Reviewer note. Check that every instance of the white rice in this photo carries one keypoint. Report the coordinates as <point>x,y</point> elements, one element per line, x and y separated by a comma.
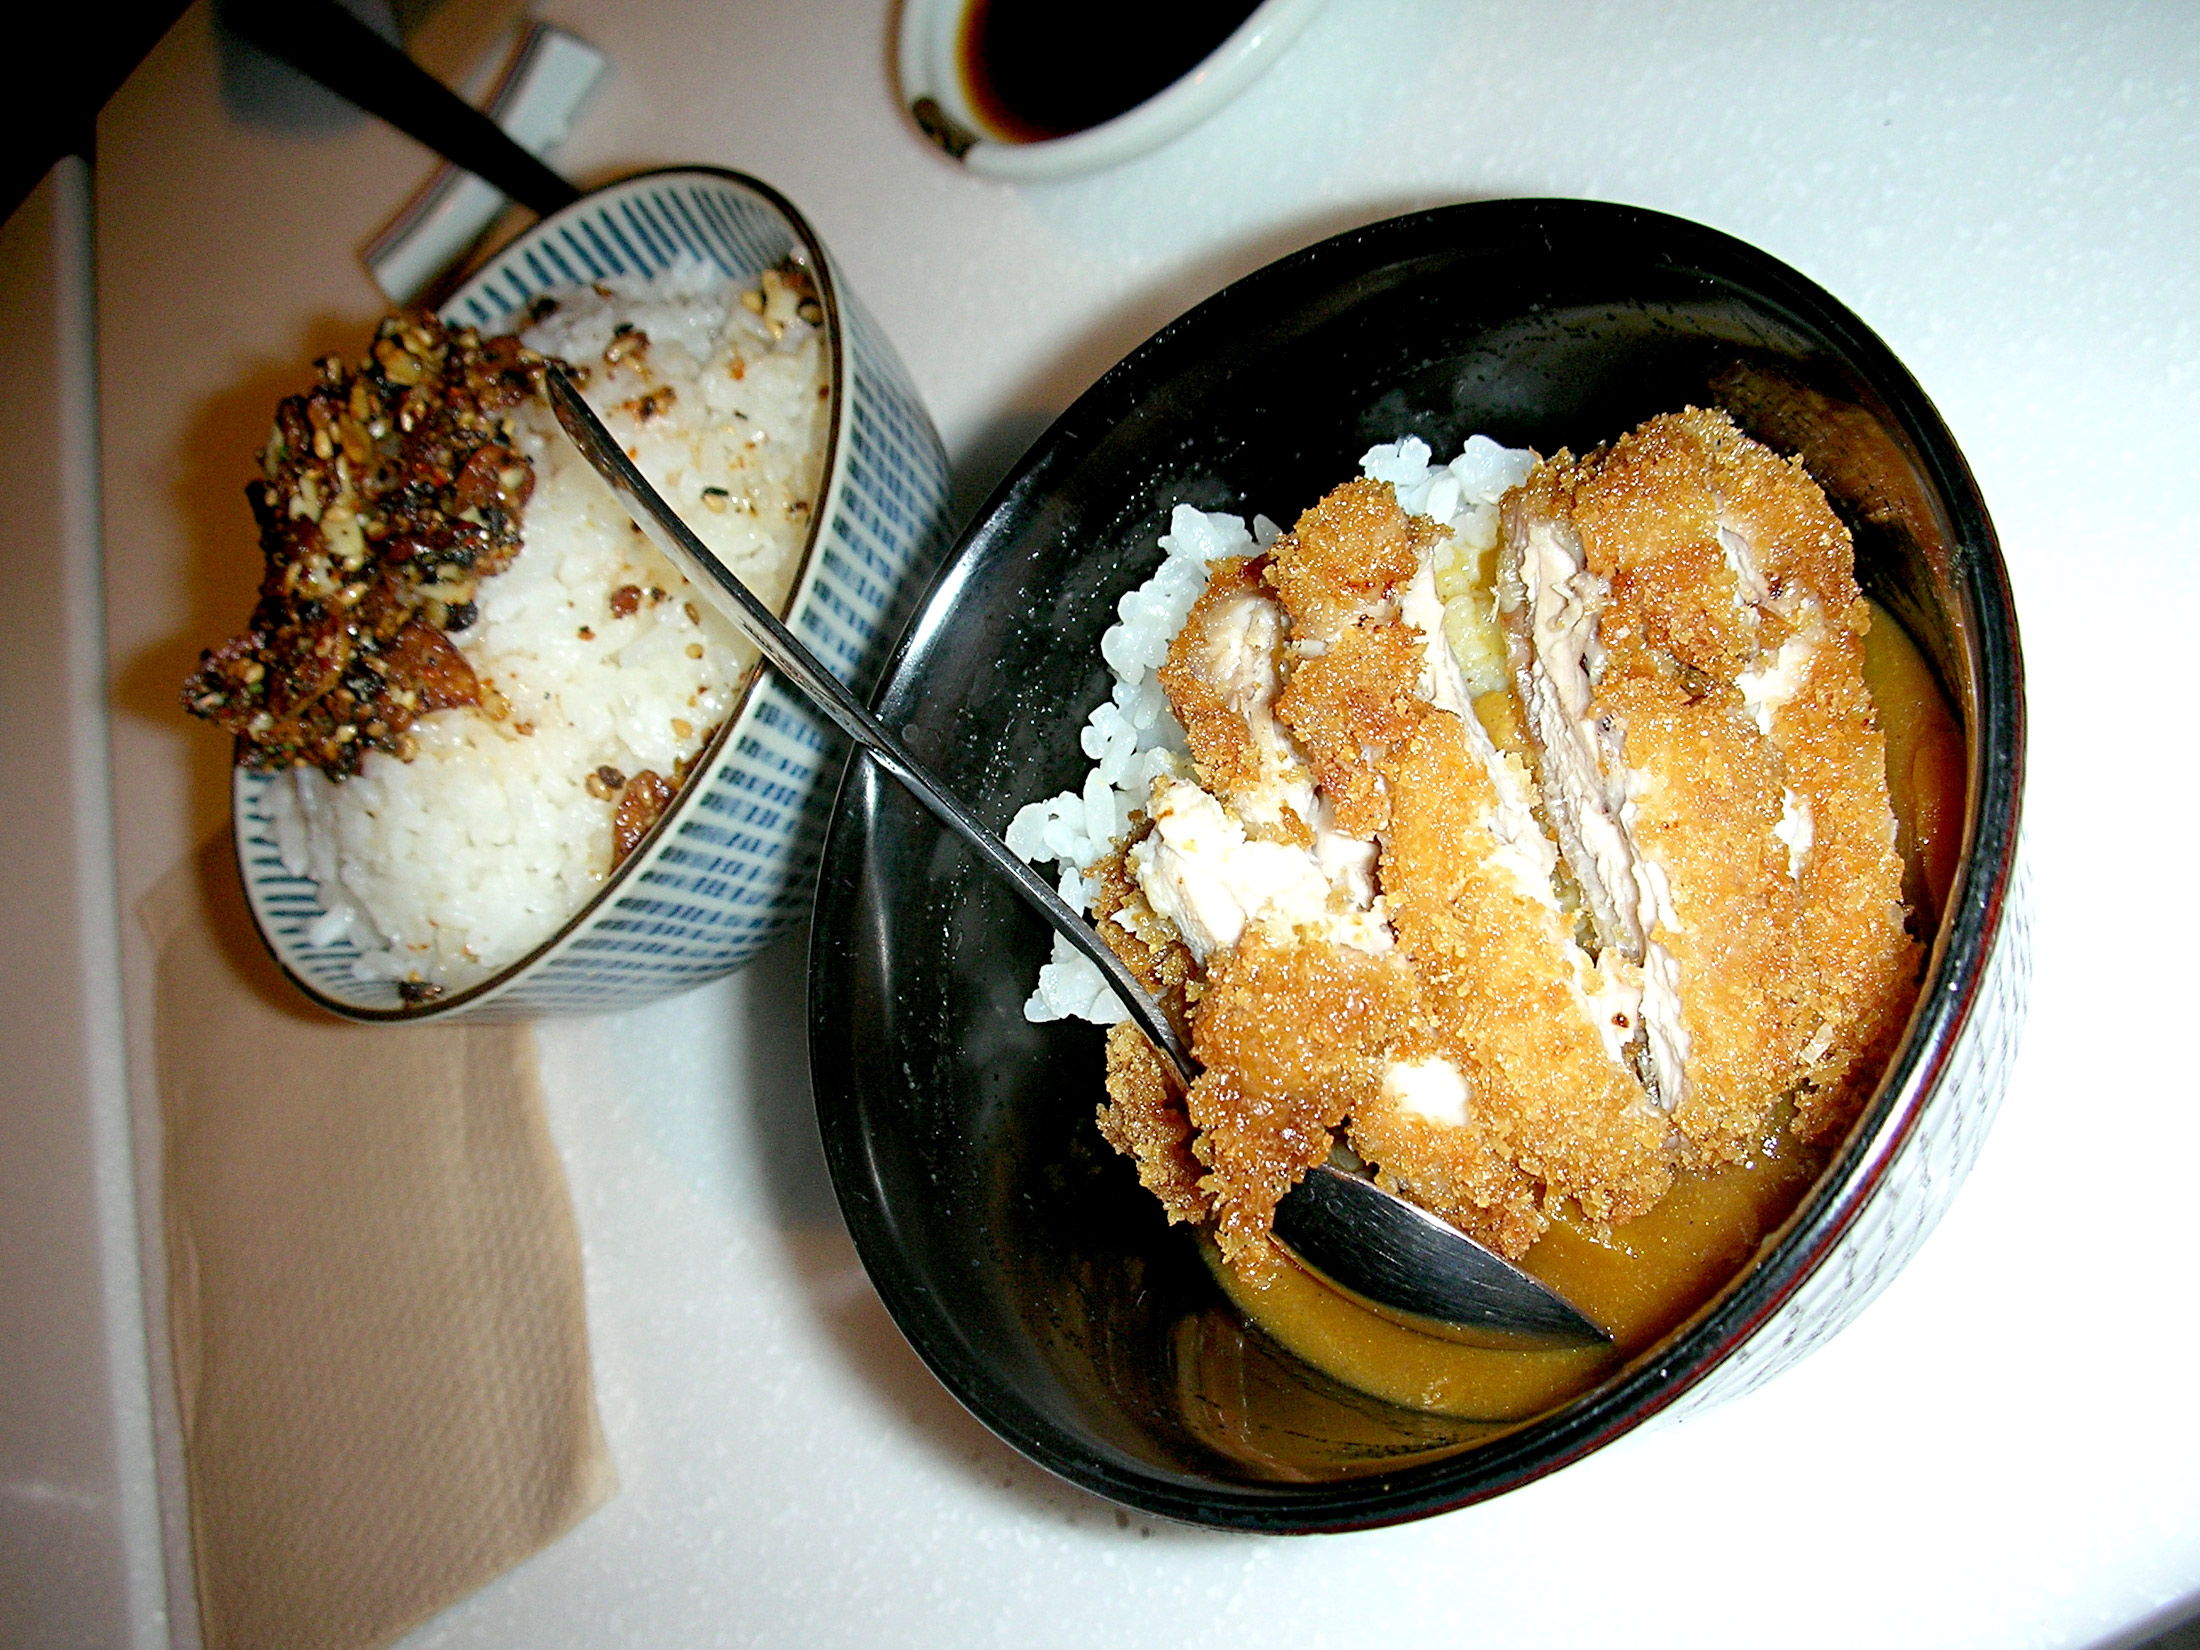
<point>1133,737</point>
<point>444,868</point>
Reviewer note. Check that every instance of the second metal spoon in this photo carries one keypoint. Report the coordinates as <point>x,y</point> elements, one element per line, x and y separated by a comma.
<point>1347,1230</point>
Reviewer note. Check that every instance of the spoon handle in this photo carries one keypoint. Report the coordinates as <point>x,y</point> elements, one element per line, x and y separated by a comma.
<point>1373,1245</point>
<point>326,43</point>
<point>799,666</point>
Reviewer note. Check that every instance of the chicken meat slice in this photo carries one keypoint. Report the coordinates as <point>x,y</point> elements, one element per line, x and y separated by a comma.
<point>1803,689</point>
<point>1682,619</point>
<point>1350,667</point>
<point>1251,840</point>
<point>1222,676</point>
<point>1509,1094</point>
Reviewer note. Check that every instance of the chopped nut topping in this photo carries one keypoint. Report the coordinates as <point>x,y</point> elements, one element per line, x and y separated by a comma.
<point>388,491</point>
<point>640,805</point>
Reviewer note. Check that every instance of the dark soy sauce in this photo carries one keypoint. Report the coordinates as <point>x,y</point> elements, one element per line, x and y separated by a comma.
<point>1038,69</point>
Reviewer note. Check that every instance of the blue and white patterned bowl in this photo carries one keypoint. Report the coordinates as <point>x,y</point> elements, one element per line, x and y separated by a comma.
<point>733,860</point>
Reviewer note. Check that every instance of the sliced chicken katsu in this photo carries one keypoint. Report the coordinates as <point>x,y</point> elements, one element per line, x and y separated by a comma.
<point>1538,941</point>
<point>1449,1026</point>
<point>1240,866</point>
<point>1684,628</point>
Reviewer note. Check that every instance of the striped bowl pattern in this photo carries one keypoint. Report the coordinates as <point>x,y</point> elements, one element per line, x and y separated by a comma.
<point>1919,1185</point>
<point>733,860</point>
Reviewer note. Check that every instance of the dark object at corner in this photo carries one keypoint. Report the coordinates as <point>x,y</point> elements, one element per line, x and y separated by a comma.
<point>82,56</point>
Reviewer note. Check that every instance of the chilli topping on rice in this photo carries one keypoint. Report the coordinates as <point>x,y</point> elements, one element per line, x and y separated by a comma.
<point>480,685</point>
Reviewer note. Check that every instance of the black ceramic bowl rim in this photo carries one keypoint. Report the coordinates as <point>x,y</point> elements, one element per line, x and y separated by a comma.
<point>1991,703</point>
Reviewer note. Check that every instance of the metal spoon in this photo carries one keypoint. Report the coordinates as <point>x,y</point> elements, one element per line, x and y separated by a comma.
<point>1347,1230</point>
<point>328,44</point>
<point>1376,1248</point>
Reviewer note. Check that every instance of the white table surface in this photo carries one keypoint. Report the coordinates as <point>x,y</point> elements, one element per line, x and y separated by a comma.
<point>2004,1451</point>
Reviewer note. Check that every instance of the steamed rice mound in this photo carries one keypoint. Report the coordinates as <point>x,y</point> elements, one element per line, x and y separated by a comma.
<point>602,673</point>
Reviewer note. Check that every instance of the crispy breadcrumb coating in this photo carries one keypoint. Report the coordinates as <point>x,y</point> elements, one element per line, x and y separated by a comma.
<point>1733,671</point>
<point>1145,1121</point>
<point>1291,1039</point>
<point>1501,990</point>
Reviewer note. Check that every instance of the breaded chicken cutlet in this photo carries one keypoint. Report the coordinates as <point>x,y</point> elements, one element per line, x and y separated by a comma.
<point>1526,947</point>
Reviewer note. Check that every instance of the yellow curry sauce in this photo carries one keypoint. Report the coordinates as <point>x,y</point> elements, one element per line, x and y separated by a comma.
<point>1651,1273</point>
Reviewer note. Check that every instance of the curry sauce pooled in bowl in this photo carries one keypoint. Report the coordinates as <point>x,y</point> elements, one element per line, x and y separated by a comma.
<point>479,684</point>
<point>1523,829</point>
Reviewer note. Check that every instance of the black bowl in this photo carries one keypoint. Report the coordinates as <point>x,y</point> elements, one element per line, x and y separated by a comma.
<point>1013,1247</point>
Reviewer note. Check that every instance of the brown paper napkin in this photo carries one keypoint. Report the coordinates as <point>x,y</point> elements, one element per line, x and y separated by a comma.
<point>374,1292</point>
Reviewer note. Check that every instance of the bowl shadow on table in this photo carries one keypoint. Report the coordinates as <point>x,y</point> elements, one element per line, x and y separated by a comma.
<point>236,938</point>
<point>781,1124</point>
<point>2173,1627</point>
<point>217,570</point>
